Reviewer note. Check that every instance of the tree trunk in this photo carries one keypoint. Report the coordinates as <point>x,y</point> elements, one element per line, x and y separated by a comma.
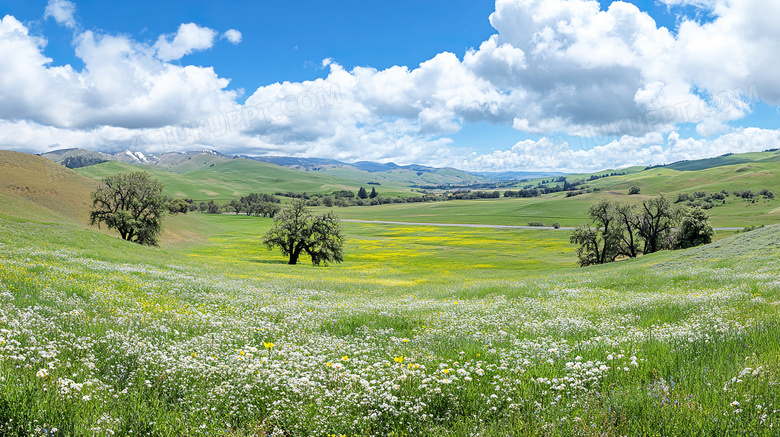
<point>294,254</point>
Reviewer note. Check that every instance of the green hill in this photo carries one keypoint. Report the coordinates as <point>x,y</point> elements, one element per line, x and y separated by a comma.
<point>728,159</point>
<point>223,181</point>
<point>187,162</point>
<point>35,188</point>
<point>761,173</point>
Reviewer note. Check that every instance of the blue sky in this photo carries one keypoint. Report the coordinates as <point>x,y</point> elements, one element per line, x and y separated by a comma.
<point>286,41</point>
<point>540,85</point>
<point>283,40</point>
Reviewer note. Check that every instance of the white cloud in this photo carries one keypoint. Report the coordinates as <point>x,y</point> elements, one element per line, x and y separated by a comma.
<point>553,66</point>
<point>557,154</point>
<point>188,39</point>
<point>233,36</point>
<point>122,84</point>
<point>62,11</point>
<point>705,4</point>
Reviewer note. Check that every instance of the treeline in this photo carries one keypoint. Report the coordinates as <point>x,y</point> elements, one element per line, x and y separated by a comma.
<point>750,195</point>
<point>542,188</point>
<point>265,205</point>
<point>345,198</point>
<point>562,184</point>
<point>260,205</point>
<point>707,200</point>
<point>469,186</point>
<point>467,194</point>
<point>605,175</point>
<point>621,230</point>
<point>81,161</point>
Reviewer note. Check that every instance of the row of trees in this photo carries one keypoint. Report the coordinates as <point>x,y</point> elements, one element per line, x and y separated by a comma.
<point>266,205</point>
<point>622,230</point>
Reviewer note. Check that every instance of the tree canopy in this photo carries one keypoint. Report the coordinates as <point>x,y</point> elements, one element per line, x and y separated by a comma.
<point>623,230</point>
<point>695,229</point>
<point>131,203</point>
<point>296,230</point>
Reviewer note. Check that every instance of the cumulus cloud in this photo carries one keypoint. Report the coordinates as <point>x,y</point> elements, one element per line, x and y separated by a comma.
<point>188,39</point>
<point>233,36</point>
<point>610,78</point>
<point>62,11</point>
<point>123,84</point>
<point>560,154</point>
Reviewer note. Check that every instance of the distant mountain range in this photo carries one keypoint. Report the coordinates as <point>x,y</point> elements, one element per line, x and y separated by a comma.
<point>129,157</point>
<point>190,160</point>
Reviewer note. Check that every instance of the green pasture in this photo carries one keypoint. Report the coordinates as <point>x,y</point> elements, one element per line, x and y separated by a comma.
<point>225,181</point>
<point>390,256</point>
<point>421,331</point>
<point>426,331</point>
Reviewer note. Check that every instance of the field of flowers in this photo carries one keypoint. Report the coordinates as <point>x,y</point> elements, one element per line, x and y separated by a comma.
<point>99,337</point>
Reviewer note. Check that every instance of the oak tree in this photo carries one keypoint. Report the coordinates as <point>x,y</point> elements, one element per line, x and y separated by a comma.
<point>296,231</point>
<point>131,203</point>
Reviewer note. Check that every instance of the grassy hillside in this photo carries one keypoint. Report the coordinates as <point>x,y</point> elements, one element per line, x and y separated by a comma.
<point>37,190</point>
<point>224,181</point>
<point>424,332</point>
<point>733,159</point>
<point>395,179</point>
<point>32,187</point>
<point>569,211</point>
<point>183,163</point>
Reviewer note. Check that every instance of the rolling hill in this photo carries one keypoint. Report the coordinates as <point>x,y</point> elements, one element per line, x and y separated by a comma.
<point>34,188</point>
<point>754,171</point>
<point>224,181</point>
<point>210,176</point>
<point>359,173</point>
<point>727,159</point>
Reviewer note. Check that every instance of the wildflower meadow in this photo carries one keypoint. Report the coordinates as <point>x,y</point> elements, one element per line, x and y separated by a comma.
<point>100,337</point>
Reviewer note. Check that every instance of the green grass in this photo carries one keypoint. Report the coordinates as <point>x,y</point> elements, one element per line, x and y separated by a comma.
<point>556,208</point>
<point>421,331</point>
<point>224,181</point>
<point>390,256</point>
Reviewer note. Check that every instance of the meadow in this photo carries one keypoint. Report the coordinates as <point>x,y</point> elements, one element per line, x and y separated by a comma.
<point>548,210</point>
<point>421,331</point>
